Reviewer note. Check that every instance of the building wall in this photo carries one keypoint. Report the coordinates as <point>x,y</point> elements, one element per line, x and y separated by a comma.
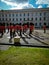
<point>37,16</point>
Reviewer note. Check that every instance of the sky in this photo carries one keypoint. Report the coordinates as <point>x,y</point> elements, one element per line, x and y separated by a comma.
<point>23,4</point>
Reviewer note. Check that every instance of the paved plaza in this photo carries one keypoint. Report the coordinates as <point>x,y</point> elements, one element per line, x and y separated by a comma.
<point>38,38</point>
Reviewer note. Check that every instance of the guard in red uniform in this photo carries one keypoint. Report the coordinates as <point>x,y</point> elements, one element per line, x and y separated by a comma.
<point>8,27</point>
<point>2,30</point>
<point>44,27</point>
<point>23,28</point>
<point>17,28</point>
<point>4,27</point>
<point>20,29</point>
<point>31,28</point>
<point>11,31</point>
<point>14,30</point>
<point>26,27</point>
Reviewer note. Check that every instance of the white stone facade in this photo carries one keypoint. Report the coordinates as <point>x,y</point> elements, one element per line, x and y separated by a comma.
<point>37,16</point>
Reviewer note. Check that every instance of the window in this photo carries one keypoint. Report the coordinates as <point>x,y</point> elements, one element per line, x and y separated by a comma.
<point>40,18</point>
<point>40,14</point>
<point>44,13</point>
<point>2,15</point>
<point>0,19</point>
<point>6,19</point>
<point>3,19</point>
<point>24,19</point>
<point>9,15</point>
<point>6,15</point>
<point>28,19</point>
<point>16,19</point>
<point>32,19</point>
<point>16,14</point>
<point>9,19</point>
<point>36,19</point>
<point>40,23</point>
<point>35,24</point>
<point>28,14</point>
<point>31,14</point>
<point>20,19</point>
<point>13,15</point>
<point>13,19</point>
<point>20,15</point>
<point>24,14</point>
<point>44,18</point>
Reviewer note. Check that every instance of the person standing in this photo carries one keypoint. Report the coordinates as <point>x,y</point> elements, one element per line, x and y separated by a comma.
<point>44,27</point>
<point>20,28</point>
<point>31,28</point>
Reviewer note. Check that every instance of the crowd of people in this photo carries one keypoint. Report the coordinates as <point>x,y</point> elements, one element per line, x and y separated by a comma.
<point>21,28</point>
<point>15,28</point>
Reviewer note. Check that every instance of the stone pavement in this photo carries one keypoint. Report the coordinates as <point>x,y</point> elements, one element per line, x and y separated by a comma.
<point>38,38</point>
<point>44,37</point>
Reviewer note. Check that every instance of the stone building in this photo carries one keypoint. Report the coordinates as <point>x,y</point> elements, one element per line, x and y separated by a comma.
<point>37,16</point>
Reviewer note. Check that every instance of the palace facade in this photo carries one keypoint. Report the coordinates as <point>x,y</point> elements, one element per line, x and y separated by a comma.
<point>37,16</point>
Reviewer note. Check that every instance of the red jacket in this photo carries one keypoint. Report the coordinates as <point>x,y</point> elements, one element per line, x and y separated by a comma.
<point>20,28</point>
<point>31,27</point>
<point>15,27</point>
<point>2,28</point>
<point>44,27</point>
<point>10,27</point>
<point>25,27</point>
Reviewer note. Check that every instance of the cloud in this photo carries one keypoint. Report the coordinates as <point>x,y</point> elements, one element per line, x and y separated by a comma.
<point>18,4</point>
<point>23,6</point>
<point>42,1</point>
<point>40,6</point>
<point>14,2</point>
<point>29,6</point>
<point>9,3</point>
<point>20,1</point>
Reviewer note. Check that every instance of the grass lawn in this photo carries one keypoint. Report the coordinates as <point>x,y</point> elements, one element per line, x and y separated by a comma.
<point>24,56</point>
